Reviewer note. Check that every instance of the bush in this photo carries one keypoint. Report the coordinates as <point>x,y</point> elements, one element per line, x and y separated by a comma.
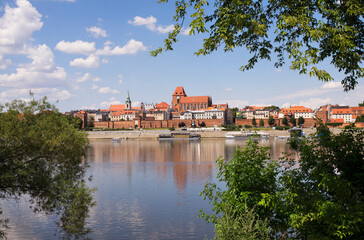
<point>247,126</point>
<point>171,129</point>
<point>334,124</point>
<point>282,127</point>
<point>319,198</point>
<point>230,128</point>
<point>240,126</point>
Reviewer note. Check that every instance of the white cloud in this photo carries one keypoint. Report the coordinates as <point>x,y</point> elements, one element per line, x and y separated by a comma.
<point>278,70</point>
<point>132,47</point>
<point>107,104</point>
<point>53,94</point>
<point>17,26</point>
<point>105,90</point>
<point>331,85</point>
<point>315,103</point>
<point>86,77</point>
<point>76,47</point>
<point>94,87</point>
<point>228,89</point>
<point>186,31</point>
<point>97,32</point>
<point>108,43</point>
<point>41,72</point>
<point>235,103</point>
<point>121,78</point>
<point>91,61</point>
<point>4,63</point>
<point>66,0</point>
<point>104,61</point>
<point>150,24</point>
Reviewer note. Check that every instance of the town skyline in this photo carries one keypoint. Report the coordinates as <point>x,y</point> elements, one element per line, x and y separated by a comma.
<point>88,54</point>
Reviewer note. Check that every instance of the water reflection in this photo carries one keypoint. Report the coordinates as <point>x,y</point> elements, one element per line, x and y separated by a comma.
<point>146,190</point>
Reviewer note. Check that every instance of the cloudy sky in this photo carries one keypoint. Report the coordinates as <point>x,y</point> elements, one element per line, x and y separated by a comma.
<point>89,53</point>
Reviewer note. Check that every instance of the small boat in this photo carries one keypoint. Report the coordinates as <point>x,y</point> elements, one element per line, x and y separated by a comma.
<point>180,136</point>
<point>116,140</point>
<point>246,135</point>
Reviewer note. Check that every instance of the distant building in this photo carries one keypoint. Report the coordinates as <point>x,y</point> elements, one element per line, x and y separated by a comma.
<point>181,102</point>
<point>296,111</point>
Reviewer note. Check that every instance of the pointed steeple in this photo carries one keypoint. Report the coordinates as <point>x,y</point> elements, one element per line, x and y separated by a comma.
<point>128,102</point>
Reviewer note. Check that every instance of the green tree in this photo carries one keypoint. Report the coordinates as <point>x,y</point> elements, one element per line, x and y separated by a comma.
<point>234,111</point>
<point>361,104</point>
<point>360,118</point>
<point>261,123</point>
<point>272,107</point>
<point>247,176</point>
<point>301,121</point>
<point>254,121</point>
<point>271,121</point>
<point>322,197</point>
<point>293,121</point>
<point>308,32</point>
<point>285,121</point>
<point>75,121</point>
<point>41,155</point>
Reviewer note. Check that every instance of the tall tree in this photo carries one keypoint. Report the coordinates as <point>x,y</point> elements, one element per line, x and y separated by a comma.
<point>301,121</point>
<point>306,31</point>
<point>293,121</point>
<point>41,155</point>
<point>285,121</point>
<point>322,197</point>
<point>254,121</point>
<point>271,121</point>
<point>261,123</point>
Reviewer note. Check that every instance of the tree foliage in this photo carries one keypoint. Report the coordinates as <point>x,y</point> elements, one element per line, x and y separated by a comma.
<point>305,32</point>
<point>271,120</point>
<point>319,196</point>
<point>254,121</point>
<point>301,120</point>
<point>285,121</point>
<point>293,121</point>
<point>41,156</point>
<point>261,123</point>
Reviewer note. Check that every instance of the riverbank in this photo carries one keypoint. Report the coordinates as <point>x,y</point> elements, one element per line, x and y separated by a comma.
<point>154,134</point>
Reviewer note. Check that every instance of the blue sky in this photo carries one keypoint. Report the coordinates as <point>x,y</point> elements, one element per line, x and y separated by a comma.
<point>89,53</point>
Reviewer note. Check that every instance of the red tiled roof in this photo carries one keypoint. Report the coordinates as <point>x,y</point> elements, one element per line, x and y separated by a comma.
<point>341,111</point>
<point>199,99</point>
<point>119,107</point>
<point>179,92</point>
<point>127,112</point>
<point>294,109</point>
<point>162,105</point>
<point>337,120</point>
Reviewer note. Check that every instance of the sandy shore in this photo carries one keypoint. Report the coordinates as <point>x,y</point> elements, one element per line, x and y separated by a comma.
<point>153,134</point>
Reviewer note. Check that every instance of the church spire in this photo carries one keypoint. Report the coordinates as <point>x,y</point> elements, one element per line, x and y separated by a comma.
<point>128,102</point>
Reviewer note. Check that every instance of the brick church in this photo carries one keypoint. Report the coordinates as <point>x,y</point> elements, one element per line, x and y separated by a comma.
<point>181,102</point>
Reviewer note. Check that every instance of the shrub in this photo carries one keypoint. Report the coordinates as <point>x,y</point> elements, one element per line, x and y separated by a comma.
<point>248,126</point>
<point>171,129</point>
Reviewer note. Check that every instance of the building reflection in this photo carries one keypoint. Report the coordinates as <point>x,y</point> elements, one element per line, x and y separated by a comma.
<point>189,162</point>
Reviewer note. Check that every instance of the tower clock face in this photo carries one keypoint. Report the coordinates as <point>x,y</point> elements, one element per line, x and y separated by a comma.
<point>178,97</point>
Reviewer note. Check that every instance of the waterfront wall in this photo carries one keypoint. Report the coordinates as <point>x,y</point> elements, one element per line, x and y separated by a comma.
<point>278,122</point>
<point>157,123</point>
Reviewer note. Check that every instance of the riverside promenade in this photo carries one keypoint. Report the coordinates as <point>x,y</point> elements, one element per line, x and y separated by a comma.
<point>153,134</point>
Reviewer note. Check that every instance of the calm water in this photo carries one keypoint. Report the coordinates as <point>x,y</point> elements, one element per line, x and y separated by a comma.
<point>146,190</point>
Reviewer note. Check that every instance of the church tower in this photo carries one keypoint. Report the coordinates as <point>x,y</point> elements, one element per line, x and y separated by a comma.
<point>128,102</point>
<point>176,97</point>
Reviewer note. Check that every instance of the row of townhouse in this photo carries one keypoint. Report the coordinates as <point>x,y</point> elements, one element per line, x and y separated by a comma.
<point>183,107</point>
<point>327,113</point>
<point>339,114</point>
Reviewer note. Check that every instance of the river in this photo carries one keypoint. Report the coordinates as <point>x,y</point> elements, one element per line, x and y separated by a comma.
<point>146,189</point>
